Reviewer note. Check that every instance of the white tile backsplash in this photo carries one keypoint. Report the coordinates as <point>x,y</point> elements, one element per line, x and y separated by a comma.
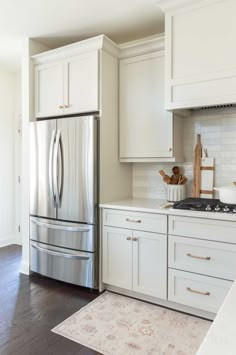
<point>218,135</point>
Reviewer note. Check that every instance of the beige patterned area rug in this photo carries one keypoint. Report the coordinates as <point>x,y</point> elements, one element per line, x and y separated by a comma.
<point>119,325</point>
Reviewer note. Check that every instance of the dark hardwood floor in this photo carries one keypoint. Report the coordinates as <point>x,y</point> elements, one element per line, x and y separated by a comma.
<point>31,306</point>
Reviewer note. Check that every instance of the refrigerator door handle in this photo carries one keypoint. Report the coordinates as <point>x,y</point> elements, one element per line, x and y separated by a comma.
<point>50,168</point>
<point>56,168</point>
<point>63,255</point>
<point>61,227</point>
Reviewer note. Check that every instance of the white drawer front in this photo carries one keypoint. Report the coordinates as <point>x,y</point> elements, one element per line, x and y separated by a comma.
<point>210,229</point>
<point>149,222</point>
<point>203,257</point>
<point>202,292</point>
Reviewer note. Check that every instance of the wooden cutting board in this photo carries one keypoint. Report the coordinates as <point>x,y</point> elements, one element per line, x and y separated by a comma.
<point>197,168</point>
<point>207,177</point>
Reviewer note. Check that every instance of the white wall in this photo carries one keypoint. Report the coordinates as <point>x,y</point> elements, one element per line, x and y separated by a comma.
<point>9,110</point>
<point>218,135</point>
<point>29,48</point>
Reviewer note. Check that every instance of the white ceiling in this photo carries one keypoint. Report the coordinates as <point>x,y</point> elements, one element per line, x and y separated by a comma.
<point>59,22</point>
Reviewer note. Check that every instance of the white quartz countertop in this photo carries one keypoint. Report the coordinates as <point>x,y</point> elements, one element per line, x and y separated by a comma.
<point>221,337</point>
<point>157,206</point>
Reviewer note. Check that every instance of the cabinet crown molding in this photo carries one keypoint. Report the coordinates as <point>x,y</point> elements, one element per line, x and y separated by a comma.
<point>87,45</point>
<point>142,46</point>
<point>169,5</point>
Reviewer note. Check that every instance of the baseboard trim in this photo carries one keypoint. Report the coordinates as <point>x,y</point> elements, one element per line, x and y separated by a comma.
<point>25,268</point>
<point>9,240</point>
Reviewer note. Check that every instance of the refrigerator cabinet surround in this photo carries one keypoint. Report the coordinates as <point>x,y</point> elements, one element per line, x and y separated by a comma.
<point>79,268</point>
<point>63,169</point>
<point>75,236</point>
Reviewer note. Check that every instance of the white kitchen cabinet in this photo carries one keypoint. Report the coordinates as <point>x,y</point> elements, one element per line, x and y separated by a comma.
<point>198,291</point>
<point>150,264</point>
<point>200,55</point>
<point>48,89</point>
<point>81,83</point>
<point>135,260</point>
<point>147,131</point>
<point>117,257</point>
<point>68,86</point>
<point>202,256</point>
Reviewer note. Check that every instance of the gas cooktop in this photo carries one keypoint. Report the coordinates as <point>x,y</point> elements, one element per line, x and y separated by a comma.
<point>204,204</point>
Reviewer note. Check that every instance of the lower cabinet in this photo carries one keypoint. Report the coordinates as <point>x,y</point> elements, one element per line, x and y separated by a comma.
<point>117,257</point>
<point>135,260</point>
<point>197,291</point>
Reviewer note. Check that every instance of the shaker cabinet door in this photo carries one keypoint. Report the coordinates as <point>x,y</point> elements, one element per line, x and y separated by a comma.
<point>150,264</point>
<point>117,257</point>
<point>81,83</point>
<point>49,90</point>
<point>146,129</point>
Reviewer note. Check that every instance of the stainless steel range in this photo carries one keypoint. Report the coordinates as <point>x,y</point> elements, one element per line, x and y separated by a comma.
<point>207,205</point>
<point>63,199</point>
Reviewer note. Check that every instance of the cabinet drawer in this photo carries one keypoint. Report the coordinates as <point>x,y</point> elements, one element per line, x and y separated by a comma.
<point>200,228</point>
<point>203,257</point>
<point>202,292</point>
<point>148,222</point>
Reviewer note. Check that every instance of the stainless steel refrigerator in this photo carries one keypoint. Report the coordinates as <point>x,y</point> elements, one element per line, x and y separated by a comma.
<point>63,199</point>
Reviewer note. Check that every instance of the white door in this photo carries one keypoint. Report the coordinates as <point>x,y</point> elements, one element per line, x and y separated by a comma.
<point>117,257</point>
<point>81,83</point>
<point>49,90</point>
<point>146,129</point>
<point>150,264</point>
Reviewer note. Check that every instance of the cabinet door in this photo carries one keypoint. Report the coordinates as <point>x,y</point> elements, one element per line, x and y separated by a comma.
<point>49,90</point>
<point>150,264</point>
<point>81,83</point>
<point>146,129</point>
<point>117,257</point>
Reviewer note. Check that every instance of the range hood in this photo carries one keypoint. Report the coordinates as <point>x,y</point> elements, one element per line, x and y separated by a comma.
<point>214,107</point>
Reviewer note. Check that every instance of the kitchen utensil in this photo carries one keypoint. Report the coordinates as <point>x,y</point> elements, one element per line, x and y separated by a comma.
<point>227,194</point>
<point>175,193</point>
<point>166,178</point>
<point>167,205</point>
<point>207,177</point>
<point>197,171</point>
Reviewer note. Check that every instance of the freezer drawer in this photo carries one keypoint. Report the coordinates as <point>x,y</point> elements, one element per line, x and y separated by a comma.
<point>64,234</point>
<point>71,266</point>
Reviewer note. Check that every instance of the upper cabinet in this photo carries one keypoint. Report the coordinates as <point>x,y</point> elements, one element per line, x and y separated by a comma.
<point>68,86</point>
<point>147,131</point>
<point>200,53</point>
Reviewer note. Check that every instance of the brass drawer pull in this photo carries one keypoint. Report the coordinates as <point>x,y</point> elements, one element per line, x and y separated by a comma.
<point>199,257</point>
<point>135,239</point>
<point>133,220</point>
<point>128,238</point>
<point>198,292</point>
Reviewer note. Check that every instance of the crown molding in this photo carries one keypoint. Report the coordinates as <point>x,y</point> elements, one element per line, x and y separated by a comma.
<point>142,46</point>
<point>88,45</point>
<point>169,5</point>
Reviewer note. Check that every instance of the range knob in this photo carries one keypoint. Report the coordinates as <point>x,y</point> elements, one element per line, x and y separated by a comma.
<point>226,209</point>
<point>217,208</point>
<point>234,210</point>
<point>208,208</point>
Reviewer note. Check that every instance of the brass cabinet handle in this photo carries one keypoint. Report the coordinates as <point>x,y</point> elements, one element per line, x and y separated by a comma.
<point>170,149</point>
<point>198,292</point>
<point>133,220</point>
<point>135,239</point>
<point>61,107</point>
<point>199,257</point>
<point>128,238</point>
<point>65,106</point>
